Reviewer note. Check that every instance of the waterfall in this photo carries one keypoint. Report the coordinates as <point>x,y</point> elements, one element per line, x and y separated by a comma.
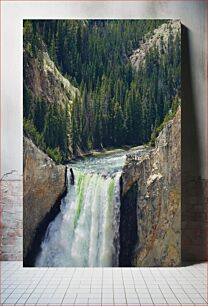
<point>86,231</point>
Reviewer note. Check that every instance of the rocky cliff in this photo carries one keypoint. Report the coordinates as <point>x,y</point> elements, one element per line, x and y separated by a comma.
<point>43,78</point>
<point>157,39</point>
<point>44,185</point>
<point>156,181</point>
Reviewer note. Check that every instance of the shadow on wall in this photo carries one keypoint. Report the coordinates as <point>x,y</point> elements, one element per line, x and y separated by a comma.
<point>194,217</point>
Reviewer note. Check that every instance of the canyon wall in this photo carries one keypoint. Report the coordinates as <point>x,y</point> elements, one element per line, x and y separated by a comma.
<point>44,185</point>
<point>156,178</point>
<point>157,39</point>
<point>44,79</point>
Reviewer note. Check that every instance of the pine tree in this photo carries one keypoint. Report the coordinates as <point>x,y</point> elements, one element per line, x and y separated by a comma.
<point>119,125</point>
<point>27,102</point>
<point>27,31</point>
<point>40,113</point>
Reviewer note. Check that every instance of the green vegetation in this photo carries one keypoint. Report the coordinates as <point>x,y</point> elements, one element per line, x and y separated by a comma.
<point>37,137</point>
<point>169,116</point>
<point>55,154</point>
<point>31,131</point>
<point>117,106</point>
<point>45,125</point>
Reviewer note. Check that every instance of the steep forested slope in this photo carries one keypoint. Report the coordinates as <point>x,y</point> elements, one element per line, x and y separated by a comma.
<point>118,104</point>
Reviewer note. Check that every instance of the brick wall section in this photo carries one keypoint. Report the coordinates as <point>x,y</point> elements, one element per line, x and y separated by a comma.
<point>11,222</point>
<point>194,242</point>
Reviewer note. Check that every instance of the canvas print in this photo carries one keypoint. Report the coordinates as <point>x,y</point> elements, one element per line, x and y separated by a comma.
<point>102,143</point>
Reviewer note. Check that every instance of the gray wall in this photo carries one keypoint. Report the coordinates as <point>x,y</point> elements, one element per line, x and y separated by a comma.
<point>194,117</point>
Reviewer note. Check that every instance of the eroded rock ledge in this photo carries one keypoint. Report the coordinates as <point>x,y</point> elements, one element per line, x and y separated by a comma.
<point>156,180</point>
<point>44,186</point>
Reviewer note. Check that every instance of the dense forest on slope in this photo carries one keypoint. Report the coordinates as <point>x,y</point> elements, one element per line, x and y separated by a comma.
<point>117,105</point>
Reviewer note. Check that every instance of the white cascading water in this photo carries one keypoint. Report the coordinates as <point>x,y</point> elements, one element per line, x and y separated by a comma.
<point>86,231</point>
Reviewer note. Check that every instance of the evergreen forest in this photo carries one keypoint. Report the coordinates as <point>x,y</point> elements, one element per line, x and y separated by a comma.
<point>116,105</point>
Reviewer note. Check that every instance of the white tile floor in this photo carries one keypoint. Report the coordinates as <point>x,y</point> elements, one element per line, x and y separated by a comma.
<point>108,286</point>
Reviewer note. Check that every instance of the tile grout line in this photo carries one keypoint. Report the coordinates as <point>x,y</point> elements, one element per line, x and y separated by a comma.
<point>123,280</point>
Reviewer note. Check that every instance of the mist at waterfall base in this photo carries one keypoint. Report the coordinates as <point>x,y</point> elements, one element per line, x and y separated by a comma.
<point>86,231</point>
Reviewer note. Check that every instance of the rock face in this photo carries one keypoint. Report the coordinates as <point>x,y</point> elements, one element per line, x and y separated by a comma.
<point>44,79</point>
<point>157,177</point>
<point>158,39</point>
<point>44,185</point>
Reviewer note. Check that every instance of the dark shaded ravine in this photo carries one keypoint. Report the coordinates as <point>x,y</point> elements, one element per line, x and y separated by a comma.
<point>128,225</point>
